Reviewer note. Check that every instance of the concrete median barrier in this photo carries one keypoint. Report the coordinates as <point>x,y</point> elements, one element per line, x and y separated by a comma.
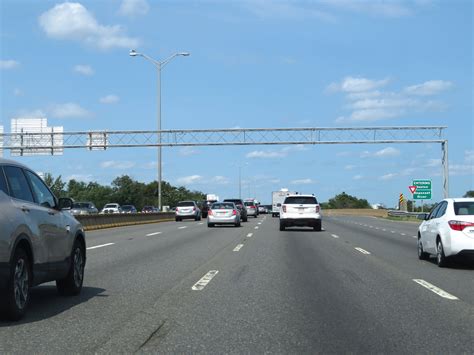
<point>355,212</point>
<point>100,221</point>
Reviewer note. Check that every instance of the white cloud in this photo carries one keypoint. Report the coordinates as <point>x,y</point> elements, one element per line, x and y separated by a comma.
<point>302,182</point>
<point>9,64</point>
<point>363,95</point>
<point>38,113</point>
<point>357,84</point>
<point>393,9</point>
<point>357,177</point>
<point>461,169</point>
<point>369,115</point>
<point>297,11</point>
<point>469,156</point>
<point>84,69</point>
<point>432,163</point>
<point>220,180</point>
<point>387,152</point>
<point>295,148</point>
<point>72,21</point>
<point>134,8</point>
<point>113,164</point>
<point>274,181</point>
<point>187,151</point>
<point>431,87</point>
<point>109,99</point>
<point>266,155</point>
<point>68,110</point>
<point>189,180</point>
<point>388,176</point>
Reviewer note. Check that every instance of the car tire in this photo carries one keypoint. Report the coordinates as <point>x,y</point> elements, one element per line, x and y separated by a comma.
<point>422,255</point>
<point>282,226</point>
<point>210,225</point>
<point>237,224</point>
<point>318,226</point>
<point>245,219</point>
<point>255,216</point>
<point>178,219</point>
<point>17,294</point>
<point>441,258</point>
<point>71,285</point>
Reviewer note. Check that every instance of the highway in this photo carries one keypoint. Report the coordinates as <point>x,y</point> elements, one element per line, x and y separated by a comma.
<point>181,287</point>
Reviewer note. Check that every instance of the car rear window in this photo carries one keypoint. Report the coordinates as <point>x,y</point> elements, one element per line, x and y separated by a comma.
<point>249,203</point>
<point>464,208</point>
<point>185,203</point>
<point>300,200</point>
<point>223,206</point>
<point>80,205</point>
<point>111,206</point>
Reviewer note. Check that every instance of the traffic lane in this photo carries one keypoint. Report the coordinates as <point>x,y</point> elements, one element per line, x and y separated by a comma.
<point>401,252</point>
<point>301,291</point>
<point>120,281</point>
<point>382,224</point>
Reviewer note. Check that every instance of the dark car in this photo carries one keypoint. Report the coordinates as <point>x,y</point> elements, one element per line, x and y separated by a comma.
<point>40,240</point>
<point>239,203</point>
<point>205,206</point>
<point>129,209</point>
<point>149,209</point>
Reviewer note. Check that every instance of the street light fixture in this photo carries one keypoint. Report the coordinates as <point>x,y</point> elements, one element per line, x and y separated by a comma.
<point>159,65</point>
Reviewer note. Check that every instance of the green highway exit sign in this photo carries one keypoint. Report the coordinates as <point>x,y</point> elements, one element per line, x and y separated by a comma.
<point>423,189</point>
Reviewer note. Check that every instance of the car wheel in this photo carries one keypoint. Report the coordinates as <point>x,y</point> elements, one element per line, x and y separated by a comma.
<point>318,226</point>
<point>210,225</point>
<point>441,259</point>
<point>422,255</point>
<point>17,295</point>
<point>282,226</point>
<point>178,219</point>
<point>71,285</point>
<point>255,216</point>
<point>237,224</point>
<point>245,219</point>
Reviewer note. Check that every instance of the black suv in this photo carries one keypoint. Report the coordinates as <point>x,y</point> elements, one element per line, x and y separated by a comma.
<point>240,205</point>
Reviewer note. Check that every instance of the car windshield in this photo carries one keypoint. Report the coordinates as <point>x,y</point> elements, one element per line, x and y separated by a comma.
<point>81,205</point>
<point>186,204</point>
<point>464,208</point>
<point>300,200</point>
<point>249,204</point>
<point>223,206</point>
<point>126,207</point>
<point>111,205</point>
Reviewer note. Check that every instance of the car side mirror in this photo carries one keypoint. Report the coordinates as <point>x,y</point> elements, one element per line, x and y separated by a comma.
<point>423,216</point>
<point>65,203</point>
<point>278,204</point>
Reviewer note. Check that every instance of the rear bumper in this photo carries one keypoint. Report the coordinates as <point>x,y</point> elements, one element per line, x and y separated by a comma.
<point>301,222</point>
<point>186,215</point>
<point>223,220</point>
<point>459,243</point>
<point>4,274</point>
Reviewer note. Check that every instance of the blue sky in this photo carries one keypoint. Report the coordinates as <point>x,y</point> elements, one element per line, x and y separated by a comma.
<point>260,64</point>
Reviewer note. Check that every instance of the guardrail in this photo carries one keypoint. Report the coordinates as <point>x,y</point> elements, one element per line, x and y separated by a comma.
<point>396,213</point>
<point>100,221</point>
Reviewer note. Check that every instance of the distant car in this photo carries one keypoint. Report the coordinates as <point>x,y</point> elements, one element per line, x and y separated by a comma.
<point>204,206</point>
<point>302,211</point>
<point>187,209</point>
<point>40,241</point>
<point>83,208</point>
<point>129,209</point>
<point>149,209</point>
<point>111,208</point>
<point>252,209</point>
<point>223,213</point>
<point>262,209</point>
<point>239,203</point>
<point>447,231</point>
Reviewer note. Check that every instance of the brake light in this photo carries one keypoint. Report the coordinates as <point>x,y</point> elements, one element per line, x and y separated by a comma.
<point>317,209</point>
<point>177,209</point>
<point>460,225</point>
<point>194,208</point>
<point>209,212</point>
<point>252,207</point>
<point>234,212</point>
<point>284,208</point>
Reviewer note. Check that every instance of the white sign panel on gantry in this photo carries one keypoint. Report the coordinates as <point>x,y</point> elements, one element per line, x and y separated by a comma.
<point>38,134</point>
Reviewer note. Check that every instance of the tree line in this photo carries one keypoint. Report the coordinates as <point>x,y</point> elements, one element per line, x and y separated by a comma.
<point>124,190</point>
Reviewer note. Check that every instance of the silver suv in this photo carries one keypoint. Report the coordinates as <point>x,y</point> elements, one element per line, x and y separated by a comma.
<point>39,240</point>
<point>302,211</point>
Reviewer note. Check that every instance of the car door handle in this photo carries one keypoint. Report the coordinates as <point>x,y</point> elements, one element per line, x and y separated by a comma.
<point>51,213</point>
<point>25,209</point>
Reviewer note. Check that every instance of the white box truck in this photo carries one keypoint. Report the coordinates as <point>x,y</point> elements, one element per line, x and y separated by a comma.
<point>277,199</point>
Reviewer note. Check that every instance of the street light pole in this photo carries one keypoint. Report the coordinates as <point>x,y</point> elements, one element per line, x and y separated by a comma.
<point>159,65</point>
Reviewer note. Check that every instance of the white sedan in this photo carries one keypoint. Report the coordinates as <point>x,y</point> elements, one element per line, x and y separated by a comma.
<point>448,230</point>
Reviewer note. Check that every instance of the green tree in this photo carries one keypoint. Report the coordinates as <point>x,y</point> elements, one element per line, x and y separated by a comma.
<point>56,185</point>
<point>469,193</point>
<point>344,200</point>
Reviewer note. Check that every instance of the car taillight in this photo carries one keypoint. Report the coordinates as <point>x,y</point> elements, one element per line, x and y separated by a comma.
<point>177,209</point>
<point>284,208</point>
<point>194,208</point>
<point>209,212</point>
<point>252,207</point>
<point>317,209</point>
<point>234,212</point>
<point>459,225</point>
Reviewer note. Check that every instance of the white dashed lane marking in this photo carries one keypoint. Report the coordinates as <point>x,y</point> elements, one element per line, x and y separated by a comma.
<point>238,247</point>
<point>201,223</point>
<point>198,286</point>
<point>435,289</point>
<point>256,227</point>
<point>183,227</point>
<point>100,246</point>
<point>335,236</point>
<point>363,251</point>
<point>156,233</point>
<point>249,235</point>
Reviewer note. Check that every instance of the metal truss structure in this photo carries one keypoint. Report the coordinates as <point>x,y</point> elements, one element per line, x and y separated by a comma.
<point>25,143</point>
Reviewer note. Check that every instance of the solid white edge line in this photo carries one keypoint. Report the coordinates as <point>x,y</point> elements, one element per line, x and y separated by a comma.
<point>156,233</point>
<point>100,246</point>
<point>435,289</point>
<point>198,286</point>
<point>249,235</point>
<point>238,247</point>
<point>363,251</point>
<point>335,236</point>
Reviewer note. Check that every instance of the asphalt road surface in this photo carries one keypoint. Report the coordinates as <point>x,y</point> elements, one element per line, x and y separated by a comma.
<point>355,287</point>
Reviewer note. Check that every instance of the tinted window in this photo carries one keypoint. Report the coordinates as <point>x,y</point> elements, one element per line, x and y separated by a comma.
<point>442,210</point>
<point>42,194</point>
<point>226,206</point>
<point>19,187</point>
<point>300,200</point>
<point>185,203</point>
<point>249,204</point>
<point>3,182</point>
<point>237,202</point>
<point>464,208</point>
<point>434,211</point>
